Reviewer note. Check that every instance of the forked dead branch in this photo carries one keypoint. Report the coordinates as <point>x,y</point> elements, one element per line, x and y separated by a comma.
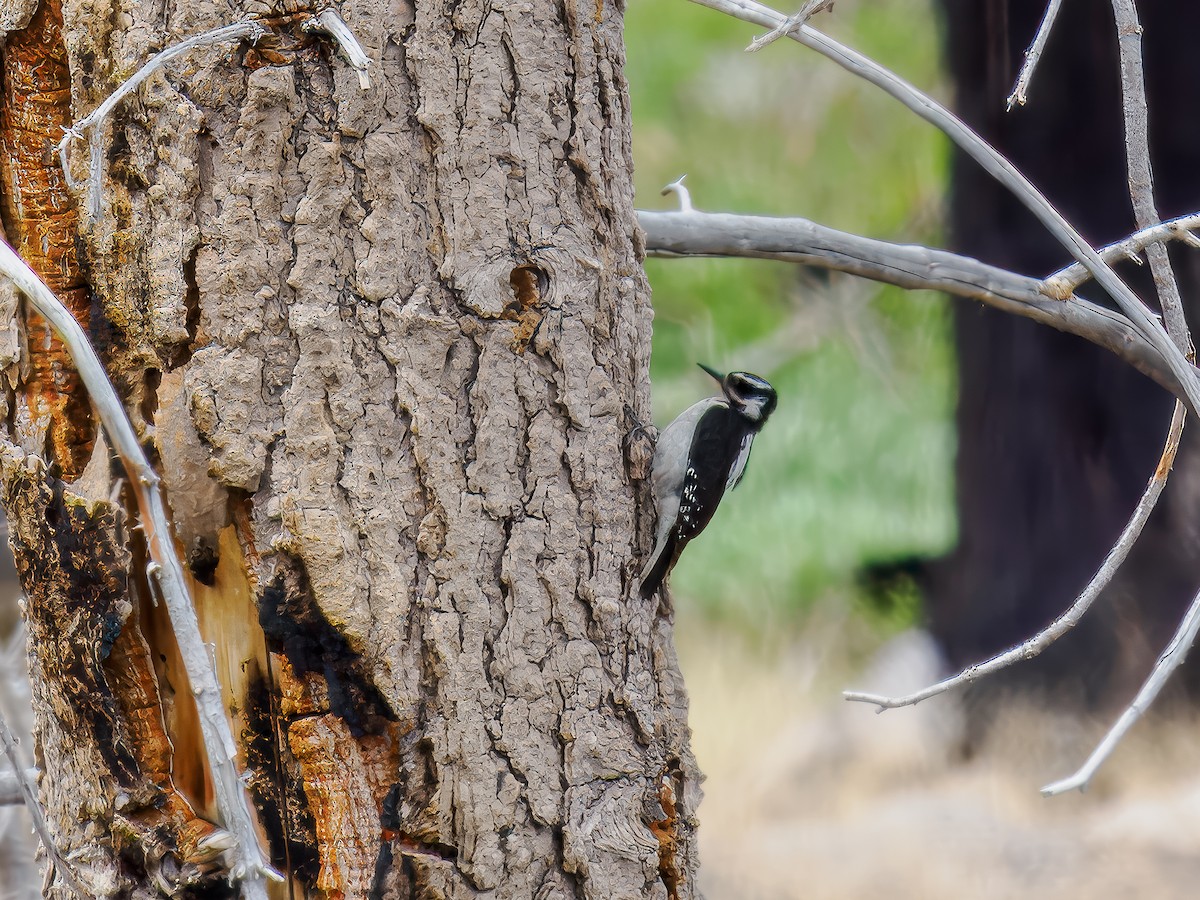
<point>1145,211</point>
<point>1035,645</point>
<point>91,127</point>
<point>1050,300</point>
<point>994,164</point>
<point>1159,346</point>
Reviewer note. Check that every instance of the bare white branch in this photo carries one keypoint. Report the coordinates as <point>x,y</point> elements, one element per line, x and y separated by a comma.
<point>28,789</point>
<point>1169,338</point>
<point>910,266</point>
<point>1035,645</point>
<point>330,23</point>
<point>1066,280</point>
<point>10,786</point>
<point>1033,54</point>
<point>91,126</point>
<point>1140,173</point>
<point>1141,195</point>
<point>1172,659</point>
<point>806,12</point>
<point>248,861</point>
<point>994,164</point>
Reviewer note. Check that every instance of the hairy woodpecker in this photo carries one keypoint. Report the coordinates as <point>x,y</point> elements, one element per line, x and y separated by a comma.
<point>700,456</point>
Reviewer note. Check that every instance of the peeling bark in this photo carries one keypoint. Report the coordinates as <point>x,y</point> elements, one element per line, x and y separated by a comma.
<point>52,414</point>
<point>101,741</point>
<point>386,341</point>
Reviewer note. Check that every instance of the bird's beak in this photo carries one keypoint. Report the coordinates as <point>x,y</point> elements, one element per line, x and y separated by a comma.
<point>713,372</point>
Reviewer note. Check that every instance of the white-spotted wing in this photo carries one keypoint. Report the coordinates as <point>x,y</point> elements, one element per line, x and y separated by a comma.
<point>720,446</point>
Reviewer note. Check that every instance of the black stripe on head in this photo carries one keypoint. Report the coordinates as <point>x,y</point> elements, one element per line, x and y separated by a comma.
<point>750,395</point>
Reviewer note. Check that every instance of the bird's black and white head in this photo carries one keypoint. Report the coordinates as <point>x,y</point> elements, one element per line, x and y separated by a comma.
<point>749,395</point>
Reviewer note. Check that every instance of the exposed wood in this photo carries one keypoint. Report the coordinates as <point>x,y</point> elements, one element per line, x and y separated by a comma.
<point>101,745</point>
<point>40,220</point>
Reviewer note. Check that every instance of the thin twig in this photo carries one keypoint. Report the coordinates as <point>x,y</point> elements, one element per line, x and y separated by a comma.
<point>993,163</point>
<point>91,126</point>
<point>1035,645</point>
<point>249,862</point>
<point>10,786</point>
<point>330,23</point>
<point>29,794</point>
<point>910,266</point>
<point>1140,172</point>
<point>231,33</point>
<point>1172,659</point>
<point>1033,54</point>
<point>1145,213</point>
<point>1067,279</point>
<point>806,12</point>
<point>678,188</point>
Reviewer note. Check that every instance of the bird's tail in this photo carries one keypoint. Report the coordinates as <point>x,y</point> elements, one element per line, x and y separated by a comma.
<point>660,563</point>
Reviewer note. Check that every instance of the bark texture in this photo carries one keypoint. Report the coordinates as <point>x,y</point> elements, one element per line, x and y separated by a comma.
<point>384,343</point>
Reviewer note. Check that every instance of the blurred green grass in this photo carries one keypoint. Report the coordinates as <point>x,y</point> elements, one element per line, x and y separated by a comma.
<point>856,466</point>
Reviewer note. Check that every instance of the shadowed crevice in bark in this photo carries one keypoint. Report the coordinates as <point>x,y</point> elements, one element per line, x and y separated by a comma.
<point>191,300</point>
<point>296,628</point>
<point>277,789</point>
<point>391,821</point>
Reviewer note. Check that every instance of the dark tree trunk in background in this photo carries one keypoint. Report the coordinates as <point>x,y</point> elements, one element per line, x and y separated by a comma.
<point>1057,437</point>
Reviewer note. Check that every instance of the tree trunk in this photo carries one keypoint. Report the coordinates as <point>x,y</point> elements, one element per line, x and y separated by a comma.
<point>383,343</point>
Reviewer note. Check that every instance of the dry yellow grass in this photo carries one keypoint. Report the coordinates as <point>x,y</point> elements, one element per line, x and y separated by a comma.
<point>809,797</point>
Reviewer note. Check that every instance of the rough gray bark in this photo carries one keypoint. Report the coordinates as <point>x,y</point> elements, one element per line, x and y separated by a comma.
<point>398,330</point>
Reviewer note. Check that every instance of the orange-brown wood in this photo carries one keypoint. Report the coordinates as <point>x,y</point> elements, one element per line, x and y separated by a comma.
<point>345,780</point>
<point>131,675</point>
<point>41,222</point>
<point>666,830</point>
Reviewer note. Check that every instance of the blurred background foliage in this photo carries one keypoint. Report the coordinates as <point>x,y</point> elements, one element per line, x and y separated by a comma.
<point>856,467</point>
